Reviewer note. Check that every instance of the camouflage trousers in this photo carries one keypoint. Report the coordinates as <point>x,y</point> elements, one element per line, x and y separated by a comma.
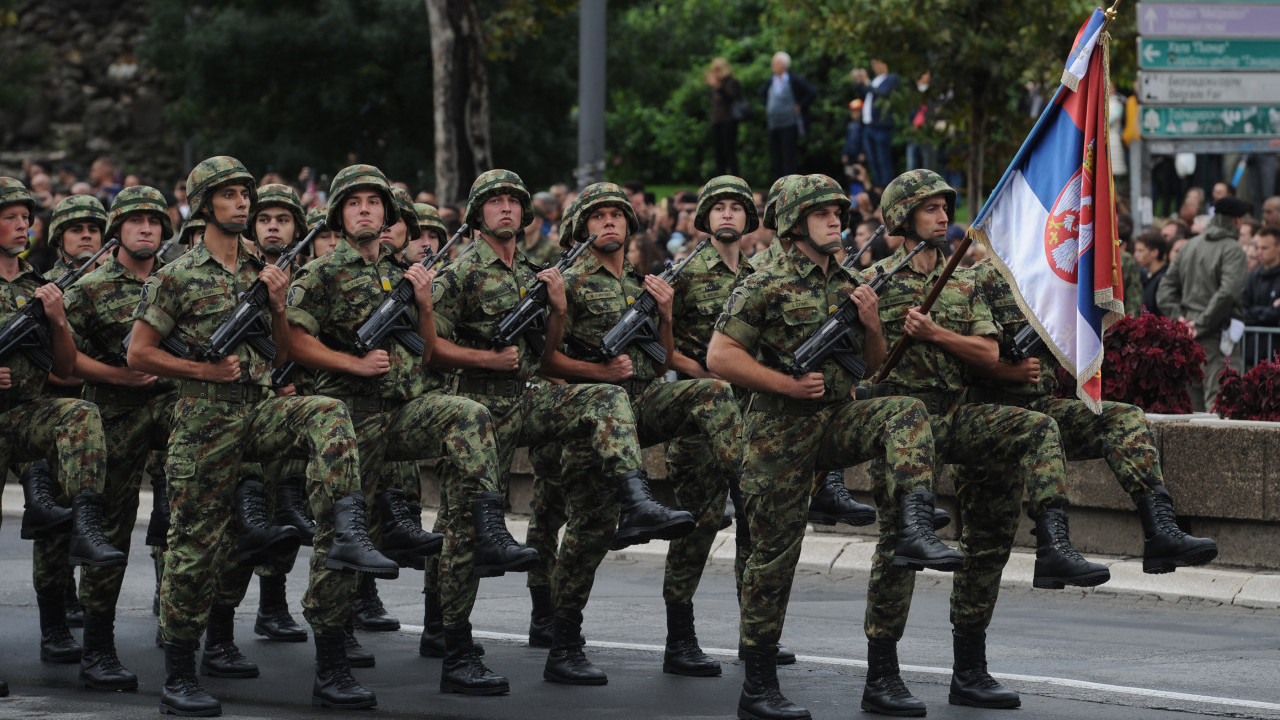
<point>598,416</point>
<point>704,410</point>
<point>1024,445</point>
<point>782,453</point>
<point>233,577</point>
<point>210,440</point>
<point>131,434</point>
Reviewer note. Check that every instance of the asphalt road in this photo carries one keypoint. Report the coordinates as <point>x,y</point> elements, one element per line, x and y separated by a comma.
<point>1071,655</point>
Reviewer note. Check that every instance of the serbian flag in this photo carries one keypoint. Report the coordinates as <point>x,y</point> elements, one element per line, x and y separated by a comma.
<point>1050,223</point>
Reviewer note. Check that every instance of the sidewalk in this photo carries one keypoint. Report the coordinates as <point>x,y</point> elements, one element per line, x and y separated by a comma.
<point>843,555</point>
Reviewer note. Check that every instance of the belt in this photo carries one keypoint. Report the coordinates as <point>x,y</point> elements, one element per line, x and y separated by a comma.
<point>936,402</point>
<point>494,387</point>
<point>236,393</point>
<point>119,396</point>
<point>364,405</point>
<point>769,402</point>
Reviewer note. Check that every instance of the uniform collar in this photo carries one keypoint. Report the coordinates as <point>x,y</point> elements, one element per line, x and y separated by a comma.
<point>200,255</point>
<point>901,253</point>
<point>486,255</point>
<point>25,268</point>
<point>591,264</point>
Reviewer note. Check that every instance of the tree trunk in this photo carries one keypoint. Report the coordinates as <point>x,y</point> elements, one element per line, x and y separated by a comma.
<point>977,151</point>
<point>461,97</point>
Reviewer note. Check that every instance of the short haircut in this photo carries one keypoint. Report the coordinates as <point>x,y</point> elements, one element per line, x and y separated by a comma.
<point>1154,241</point>
<point>1269,230</point>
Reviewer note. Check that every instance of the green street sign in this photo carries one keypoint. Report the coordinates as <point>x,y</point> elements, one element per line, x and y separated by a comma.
<point>1202,54</point>
<point>1241,121</point>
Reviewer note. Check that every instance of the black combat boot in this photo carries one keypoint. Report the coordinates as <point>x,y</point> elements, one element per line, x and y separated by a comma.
<point>432,644</point>
<point>257,534</point>
<point>75,611</point>
<point>833,503</point>
<point>221,656</point>
<point>4,689</point>
<point>784,655</point>
<point>941,518</point>
<point>43,515</point>
<point>542,619</point>
<point>761,697</point>
<point>357,654</point>
<point>89,544</point>
<point>566,663</point>
<point>971,684</point>
<point>291,508</point>
<point>464,671</point>
<point>182,694</point>
<point>334,687</point>
<point>57,644</point>
<point>158,525</point>
<point>642,518</point>
<point>682,655</point>
<point>100,668</point>
<point>1057,562</point>
<point>885,693</point>
<point>352,548</point>
<point>918,547</point>
<point>1165,546</point>
<point>403,538</point>
<point>274,621</point>
<point>496,552</point>
<point>368,612</point>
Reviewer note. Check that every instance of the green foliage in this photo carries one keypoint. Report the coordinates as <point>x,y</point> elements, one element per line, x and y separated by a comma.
<point>21,68</point>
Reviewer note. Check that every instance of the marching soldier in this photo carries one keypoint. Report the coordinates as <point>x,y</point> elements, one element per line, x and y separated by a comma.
<point>225,414</point>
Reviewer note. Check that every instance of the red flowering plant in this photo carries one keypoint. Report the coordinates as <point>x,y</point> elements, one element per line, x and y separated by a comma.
<point>1252,397</point>
<point>1148,361</point>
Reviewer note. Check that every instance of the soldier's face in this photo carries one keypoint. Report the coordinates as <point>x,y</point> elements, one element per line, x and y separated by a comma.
<point>230,205</point>
<point>363,214</point>
<point>823,224</point>
<point>930,219</point>
<point>395,235</point>
<point>433,239</point>
<point>728,215</point>
<point>140,231</point>
<point>325,242</point>
<point>610,223</point>
<point>15,221</point>
<point>83,238</point>
<point>417,249</point>
<point>502,215</point>
<point>274,227</point>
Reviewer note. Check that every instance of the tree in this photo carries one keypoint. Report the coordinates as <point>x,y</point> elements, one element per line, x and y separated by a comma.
<point>461,114</point>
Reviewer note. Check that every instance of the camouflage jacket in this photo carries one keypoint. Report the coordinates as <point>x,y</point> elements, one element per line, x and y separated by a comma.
<point>194,294</point>
<point>544,253</point>
<point>472,294</point>
<point>701,291</point>
<point>1010,320</point>
<point>769,255</point>
<point>773,311</point>
<point>28,379</point>
<point>331,298</point>
<point>926,367</point>
<point>597,298</point>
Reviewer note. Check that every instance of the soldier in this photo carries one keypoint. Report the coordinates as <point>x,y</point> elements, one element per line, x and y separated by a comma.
<point>136,408</point>
<point>1118,434</point>
<point>76,232</point>
<point>780,246</point>
<point>795,424</point>
<point>67,432</point>
<point>398,416</point>
<point>472,296</point>
<point>327,239</point>
<point>919,206</point>
<point>225,414</point>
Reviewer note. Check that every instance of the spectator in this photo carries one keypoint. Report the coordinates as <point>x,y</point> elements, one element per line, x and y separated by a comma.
<point>644,255</point>
<point>854,154</point>
<point>1202,289</point>
<point>635,193</point>
<point>41,186</point>
<point>1151,251</point>
<point>877,118</point>
<point>131,180</point>
<point>1174,230</point>
<point>861,236</point>
<point>67,174</point>
<point>1261,299</point>
<point>1128,266</point>
<point>920,154</point>
<point>102,176</point>
<point>1175,248</point>
<point>1249,226</point>
<point>81,188</point>
<point>1271,211</point>
<point>786,99</point>
<point>1221,190</point>
<point>726,110</point>
<point>180,198</point>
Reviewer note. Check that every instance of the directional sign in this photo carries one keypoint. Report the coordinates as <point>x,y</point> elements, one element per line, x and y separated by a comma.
<point>1209,88</point>
<point>1233,20</point>
<point>1199,54</point>
<point>1245,121</point>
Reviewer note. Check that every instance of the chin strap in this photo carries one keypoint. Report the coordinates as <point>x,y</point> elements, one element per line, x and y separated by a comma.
<point>727,235</point>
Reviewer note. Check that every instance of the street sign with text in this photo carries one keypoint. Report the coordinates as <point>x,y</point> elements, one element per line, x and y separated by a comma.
<point>1209,88</point>
<point>1221,20</point>
<point>1208,54</point>
<point>1241,121</point>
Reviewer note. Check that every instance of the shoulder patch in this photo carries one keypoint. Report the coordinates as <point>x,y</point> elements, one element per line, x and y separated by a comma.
<point>296,294</point>
<point>737,300</point>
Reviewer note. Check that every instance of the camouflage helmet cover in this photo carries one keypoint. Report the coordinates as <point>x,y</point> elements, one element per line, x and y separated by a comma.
<point>492,183</point>
<point>802,193</point>
<point>770,219</point>
<point>593,197</point>
<point>429,219</point>
<point>13,192</point>
<point>566,222</point>
<point>907,191</point>
<point>139,198</point>
<point>213,173</point>
<point>359,177</point>
<point>315,215</point>
<point>189,228</point>
<point>279,195</point>
<point>725,187</point>
<point>404,205</point>
<point>72,210</point>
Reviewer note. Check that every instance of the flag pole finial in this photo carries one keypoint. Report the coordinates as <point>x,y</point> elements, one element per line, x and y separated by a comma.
<point>1111,12</point>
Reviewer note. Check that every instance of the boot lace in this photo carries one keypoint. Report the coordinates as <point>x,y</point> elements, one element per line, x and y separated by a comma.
<point>41,492</point>
<point>91,525</point>
<point>1059,537</point>
<point>494,526</point>
<point>253,509</point>
<point>359,521</point>
<point>1166,522</point>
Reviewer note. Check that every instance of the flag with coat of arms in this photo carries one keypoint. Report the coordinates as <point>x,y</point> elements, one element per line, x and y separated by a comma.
<point>1050,223</point>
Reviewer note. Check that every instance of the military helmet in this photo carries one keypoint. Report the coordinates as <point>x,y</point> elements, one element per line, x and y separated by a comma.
<point>429,219</point>
<point>13,192</point>
<point>212,174</point>
<point>802,193</point>
<point>770,219</point>
<point>139,198</point>
<point>492,183</point>
<point>279,195</point>
<point>567,224</point>
<point>72,210</point>
<point>190,228</point>
<point>315,215</point>
<point>404,204</point>
<point>359,177</point>
<point>907,191</point>
<point>598,195</point>
<point>725,187</point>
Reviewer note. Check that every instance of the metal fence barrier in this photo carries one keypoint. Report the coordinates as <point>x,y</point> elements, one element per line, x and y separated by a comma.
<point>1258,344</point>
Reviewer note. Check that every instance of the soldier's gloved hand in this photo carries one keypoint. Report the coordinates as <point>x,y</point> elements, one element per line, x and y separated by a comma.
<point>6,378</point>
<point>51,297</point>
<point>506,359</point>
<point>376,362</point>
<point>276,282</point>
<point>809,386</point>
<point>421,279</point>
<point>616,369</point>
<point>555,290</point>
<point>226,370</point>
<point>1027,370</point>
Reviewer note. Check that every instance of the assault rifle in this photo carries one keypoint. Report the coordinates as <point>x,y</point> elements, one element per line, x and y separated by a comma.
<point>835,337</point>
<point>528,318</point>
<point>851,261</point>
<point>1026,343</point>
<point>283,375</point>
<point>26,330</point>
<point>636,326</point>
<point>393,317</point>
